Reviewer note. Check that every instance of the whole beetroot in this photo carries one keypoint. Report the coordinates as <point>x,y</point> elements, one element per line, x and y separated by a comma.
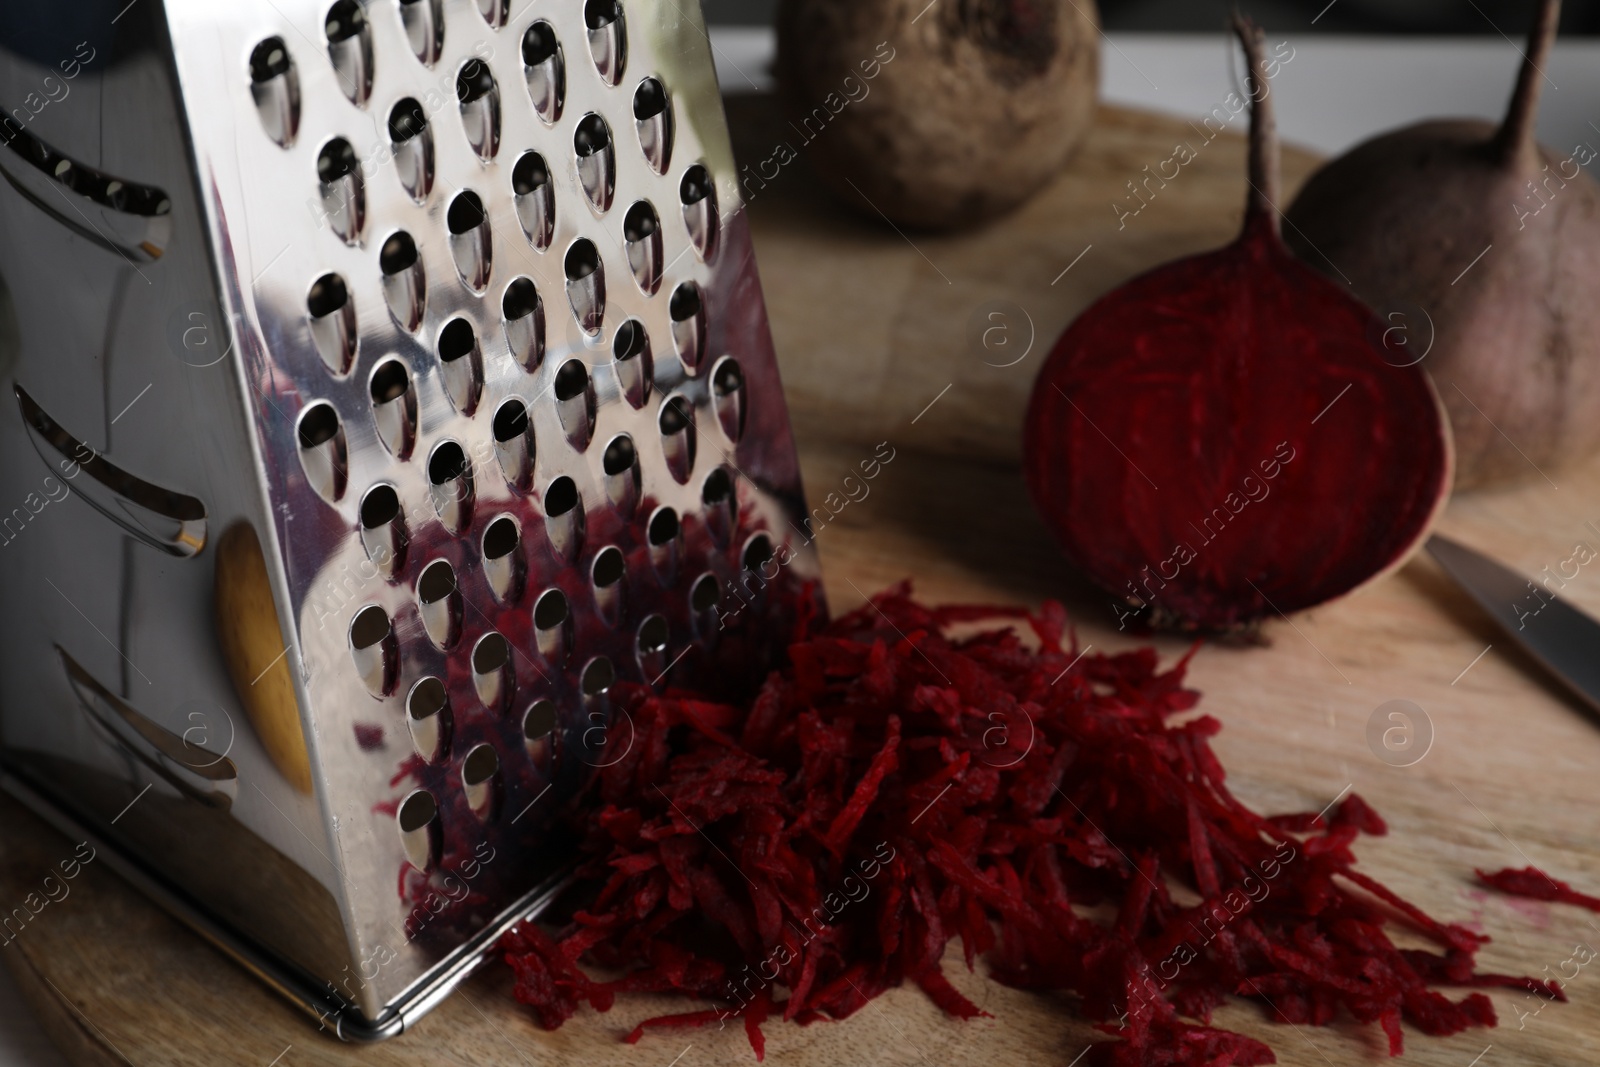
<point>1493,240</point>
<point>940,115</point>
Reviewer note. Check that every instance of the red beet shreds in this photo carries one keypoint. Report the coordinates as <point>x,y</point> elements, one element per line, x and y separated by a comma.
<point>1533,883</point>
<point>1223,438</point>
<point>898,787</point>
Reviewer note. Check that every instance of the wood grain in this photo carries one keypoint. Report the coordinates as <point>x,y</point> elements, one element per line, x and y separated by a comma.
<point>871,325</point>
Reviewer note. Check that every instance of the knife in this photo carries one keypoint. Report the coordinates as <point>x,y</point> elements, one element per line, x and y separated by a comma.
<point>1562,638</point>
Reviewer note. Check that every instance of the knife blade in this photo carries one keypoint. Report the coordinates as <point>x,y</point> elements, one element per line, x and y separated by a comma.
<point>1563,639</point>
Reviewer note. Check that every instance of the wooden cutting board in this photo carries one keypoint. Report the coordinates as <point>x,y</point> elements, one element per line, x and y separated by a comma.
<point>877,336</point>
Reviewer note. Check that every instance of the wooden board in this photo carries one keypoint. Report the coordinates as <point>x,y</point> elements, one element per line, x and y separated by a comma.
<point>872,326</point>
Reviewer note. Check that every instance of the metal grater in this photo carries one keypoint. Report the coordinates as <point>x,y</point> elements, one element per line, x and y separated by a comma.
<point>391,397</point>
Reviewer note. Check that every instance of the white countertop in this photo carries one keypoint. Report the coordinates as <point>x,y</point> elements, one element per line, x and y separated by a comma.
<point>1334,92</point>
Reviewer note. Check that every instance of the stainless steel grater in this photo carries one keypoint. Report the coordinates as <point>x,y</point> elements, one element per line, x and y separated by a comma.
<point>391,400</point>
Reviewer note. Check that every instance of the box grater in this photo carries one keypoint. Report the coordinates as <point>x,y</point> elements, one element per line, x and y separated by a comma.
<point>391,400</point>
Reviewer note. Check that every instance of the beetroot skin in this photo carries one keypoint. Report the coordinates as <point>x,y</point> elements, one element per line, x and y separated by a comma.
<point>1223,437</point>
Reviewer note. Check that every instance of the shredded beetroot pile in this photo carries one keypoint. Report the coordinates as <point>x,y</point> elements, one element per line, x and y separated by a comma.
<point>897,787</point>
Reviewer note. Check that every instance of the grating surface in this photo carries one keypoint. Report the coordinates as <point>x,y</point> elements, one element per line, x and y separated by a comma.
<point>523,436</point>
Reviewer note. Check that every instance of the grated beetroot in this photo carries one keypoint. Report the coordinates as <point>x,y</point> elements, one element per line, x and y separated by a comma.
<point>898,786</point>
<point>1534,884</point>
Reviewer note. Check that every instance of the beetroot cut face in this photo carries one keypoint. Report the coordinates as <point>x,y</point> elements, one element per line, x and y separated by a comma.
<point>1223,439</point>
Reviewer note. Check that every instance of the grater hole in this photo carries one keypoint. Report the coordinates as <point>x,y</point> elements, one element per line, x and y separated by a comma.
<point>696,185</point>
<point>597,163</point>
<point>620,456</point>
<point>728,397</point>
<point>705,593</point>
<point>502,563</point>
<point>399,254</point>
<point>641,222</point>
<point>535,198</point>
<point>481,765</point>
<point>729,378</point>
<point>428,698</point>
<point>677,436</point>
<point>687,308</point>
<point>418,810</point>
<point>530,173</point>
<point>572,380</point>
<point>718,488</point>
<point>664,527</point>
<point>673,421</point>
<point>333,322</point>
<point>420,834</point>
<point>480,775</point>
<point>407,119</point>
<point>450,475</point>
<point>424,25</point>
<point>539,44</point>
<point>521,300</point>
<point>438,582</point>
<point>344,204</point>
<point>428,709</point>
<point>268,60</point>
<point>510,421</point>
<point>456,340</point>
<point>561,498</point>
<point>413,147</point>
<point>369,629</point>
<point>447,463</point>
<point>552,624</point>
<point>642,230</point>
<point>480,107</point>
<point>699,197</point>
<point>379,507</point>
<point>609,568</point>
<point>598,14</point>
<point>540,721</point>
<point>513,443</point>
<point>470,239</point>
<point>393,409</point>
<point>621,465</point>
<point>598,677</point>
<point>649,100</point>
<point>631,341</point>
<point>654,633</point>
<point>495,12</point>
<point>501,538</point>
<point>345,20</point>
<point>390,381</point>
<point>593,136</point>
<point>757,552</point>
<point>583,260</point>
<point>474,82</point>
<point>323,452</point>
<point>336,160</point>
<point>491,654</point>
<point>328,295</point>
<point>461,366</point>
<point>720,506</point>
<point>551,610</point>
<point>465,214</point>
<point>440,601</point>
<point>319,425</point>
<point>685,303</point>
<point>544,71</point>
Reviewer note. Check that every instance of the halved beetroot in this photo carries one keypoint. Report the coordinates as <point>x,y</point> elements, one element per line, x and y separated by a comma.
<point>1234,435</point>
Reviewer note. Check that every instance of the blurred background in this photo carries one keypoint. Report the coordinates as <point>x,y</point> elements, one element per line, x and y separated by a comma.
<point>1343,16</point>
